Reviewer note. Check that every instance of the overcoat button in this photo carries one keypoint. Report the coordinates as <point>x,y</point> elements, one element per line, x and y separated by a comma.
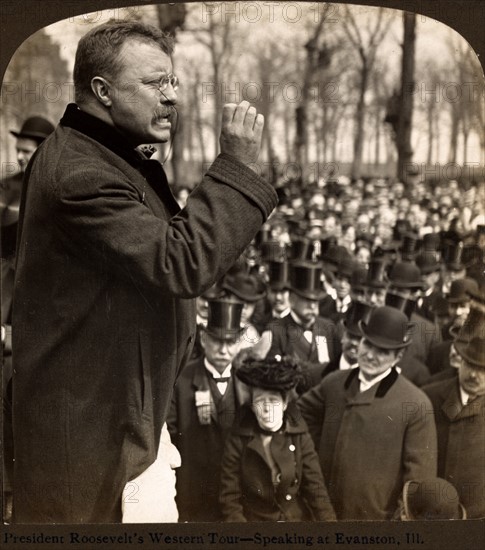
<point>288,497</point>
<point>292,448</point>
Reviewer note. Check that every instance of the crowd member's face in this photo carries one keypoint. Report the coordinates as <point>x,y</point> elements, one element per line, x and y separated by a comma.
<point>350,346</point>
<point>25,149</point>
<point>456,359</point>
<point>219,352</point>
<point>376,296</point>
<point>305,309</point>
<point>472,378</point>
<point>363,255</point>
<point>431,279</point>
<point>247,312</point>
<point>138,109</point>
<point>342,286</point>
<point>373,361</point>
<point>279,300</point>
<point>268,407</point>
<point>458,313</point>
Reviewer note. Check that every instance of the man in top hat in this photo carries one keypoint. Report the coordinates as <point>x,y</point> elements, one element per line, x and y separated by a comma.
<point>376,282</point>
<point>203,409</point>
<point>453,266</point>
<point>459,413</point>
<point>430,268</point>
<point>368,424</point>
<point>458,300</point>
<point>334,307</point>
<point>303,333</point>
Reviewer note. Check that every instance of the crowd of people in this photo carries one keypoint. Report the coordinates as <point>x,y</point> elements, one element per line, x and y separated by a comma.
<point>331,366</point>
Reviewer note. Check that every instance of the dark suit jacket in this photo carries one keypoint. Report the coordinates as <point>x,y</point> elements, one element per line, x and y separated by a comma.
<point>200,446</point>
<point>288,339</point>
<point>461,443</point>
<point>107,265</point>
<point>439,357</point>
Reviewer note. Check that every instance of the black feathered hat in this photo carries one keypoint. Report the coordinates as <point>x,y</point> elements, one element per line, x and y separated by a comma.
<point>272,374</point>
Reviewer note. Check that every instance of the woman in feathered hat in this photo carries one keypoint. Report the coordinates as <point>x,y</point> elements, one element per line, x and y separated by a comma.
<point>270,470</point>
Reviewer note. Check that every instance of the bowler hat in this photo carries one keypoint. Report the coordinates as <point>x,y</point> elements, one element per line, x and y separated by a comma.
<point>428,262</point>
<point>405,275</point>
<point>35,127</point>
<point>461,290</point>
<point>387,328</point>
<point>244,286</point>
<point>358,311</point>
<point>278,275</point>
<point>224,319</point>
<point>472,351</point>
<point>346,266</point>
<point>305,280</point>
<point>272,373</point>
<point>431,499</point>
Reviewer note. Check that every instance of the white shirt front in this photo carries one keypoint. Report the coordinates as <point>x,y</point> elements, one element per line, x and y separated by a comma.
<point>221,386</point>
<point>366,384</point>
<point>345,365</point>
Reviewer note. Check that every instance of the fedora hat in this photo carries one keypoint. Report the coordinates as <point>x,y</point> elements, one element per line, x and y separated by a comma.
<point>270,374</point>
<point>278,276</point>
<point>244,286</point>
<point>431,499</point>
<point>305,280</point>
<point>473,351</point>
<point>387,328</point>
<point>224,319</point>
<point>35,127</point>
<point>406,275</point>
<point>358,311</point>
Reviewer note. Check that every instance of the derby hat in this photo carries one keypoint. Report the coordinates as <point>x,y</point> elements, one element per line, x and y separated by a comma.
<point>305,280</point>
<point>246,287</point>
<point>431,499</point>
<point>346,266</point>
<point>472,351</point>
<point>428,262</point>
<point>35,127</point>
<point>387,328</point>
<point>461,290</point>
<point>224,319</point>
<point>278,276</point>
<point>272,374</point>
<point>358,311</point>
<point>406,275</point>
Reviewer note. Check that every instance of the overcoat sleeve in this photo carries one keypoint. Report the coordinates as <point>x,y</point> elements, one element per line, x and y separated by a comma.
<point>312,408</point>
<point>103,216</point>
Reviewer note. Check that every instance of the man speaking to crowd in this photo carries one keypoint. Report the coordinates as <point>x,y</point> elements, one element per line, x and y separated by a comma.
<point>103,316</point>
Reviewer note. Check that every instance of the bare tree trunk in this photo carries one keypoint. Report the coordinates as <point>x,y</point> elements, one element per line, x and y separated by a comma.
<point>359,122</point>
<point>403,137</point>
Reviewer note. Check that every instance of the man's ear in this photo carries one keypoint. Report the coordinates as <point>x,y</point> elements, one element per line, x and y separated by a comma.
<point>102,90</point>
<point>399,355</point>
<point>203,339</point>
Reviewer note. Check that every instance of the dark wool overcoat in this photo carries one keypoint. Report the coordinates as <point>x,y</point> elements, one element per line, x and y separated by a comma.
<point>201,445</point>
<point>370,443</point>
<point>247,489</point>
<point>103,315</point>
<point>461,443</point>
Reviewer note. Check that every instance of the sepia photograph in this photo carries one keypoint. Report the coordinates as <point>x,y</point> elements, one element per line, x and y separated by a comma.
<point>243,274</point>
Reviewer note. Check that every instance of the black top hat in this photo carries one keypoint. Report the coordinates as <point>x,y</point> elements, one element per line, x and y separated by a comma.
<point>452,255</point>
<point>409,247</point>
<point>305,280</point>
<point>224,319</point>
<point>270,373</point>
<point>358,311</point>
<point>405,275</point>
<point>431,242</point>
<point>428,262</point>
<point>301,249</point>
<point>376,275</point>
<point>273,251</point>
<point>244,286</point>
<point>461,290</point>
<point>472,351</point>
<point>35,127</point>
<point>431,499</point>
<point>387,328</point>
<point>278,275</point>
<point>358,278</point>
<point>326,244</point>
